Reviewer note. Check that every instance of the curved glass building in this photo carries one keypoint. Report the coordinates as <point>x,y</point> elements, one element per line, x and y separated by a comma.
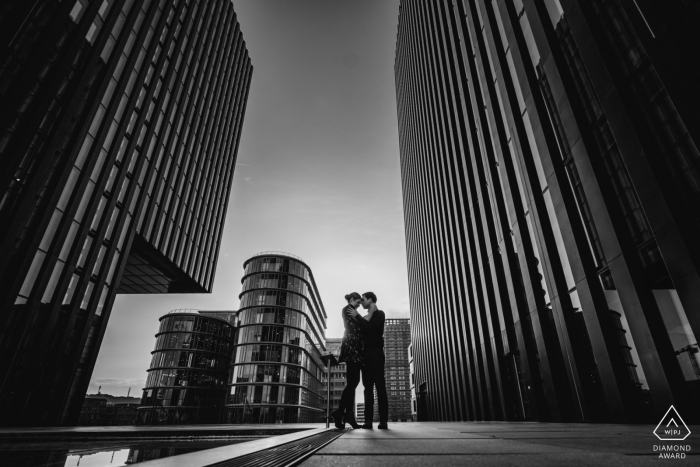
<point>187,377</point>
<point>276,369</point>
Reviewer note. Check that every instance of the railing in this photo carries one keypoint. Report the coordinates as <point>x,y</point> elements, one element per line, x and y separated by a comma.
<point>183,310</point>
<point>276,253</point>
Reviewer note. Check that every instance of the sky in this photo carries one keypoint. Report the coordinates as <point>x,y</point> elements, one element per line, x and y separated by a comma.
<point>317,175</point>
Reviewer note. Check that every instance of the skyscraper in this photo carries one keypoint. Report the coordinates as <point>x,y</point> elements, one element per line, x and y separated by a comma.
<point>276,369</point>
<point>551,183</point>
<point>119,131</point>
<point>397,339</point>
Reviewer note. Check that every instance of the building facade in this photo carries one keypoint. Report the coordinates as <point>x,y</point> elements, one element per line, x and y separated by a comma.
<point>551,182</point>
<point>360,413</point>
<point>412,376</point>
<point>186,381</point>
<point>118,138</point>
<point>397,339</point>
<point>276,370</point>
<point>338,373</point>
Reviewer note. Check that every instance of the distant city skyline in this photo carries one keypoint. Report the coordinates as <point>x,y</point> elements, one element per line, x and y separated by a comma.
<point>317,175</point>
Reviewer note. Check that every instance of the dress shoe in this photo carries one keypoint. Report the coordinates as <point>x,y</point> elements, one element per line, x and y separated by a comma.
<point>350,420</point>
<point>367,426</point>
<point>337,418</point>
<point>383,426</point>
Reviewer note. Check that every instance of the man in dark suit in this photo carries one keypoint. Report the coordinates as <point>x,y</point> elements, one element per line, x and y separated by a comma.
<point>373,367</point>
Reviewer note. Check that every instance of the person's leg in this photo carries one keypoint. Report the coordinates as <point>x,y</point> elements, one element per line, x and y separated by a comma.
<point>380,383</point>
<point>348,398</point>
<point>368,382</point>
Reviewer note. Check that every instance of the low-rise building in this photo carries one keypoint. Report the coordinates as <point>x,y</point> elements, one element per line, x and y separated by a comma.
<point>187,378</point>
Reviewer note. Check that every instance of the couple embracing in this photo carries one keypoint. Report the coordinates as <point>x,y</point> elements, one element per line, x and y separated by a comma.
<point>362,350</point>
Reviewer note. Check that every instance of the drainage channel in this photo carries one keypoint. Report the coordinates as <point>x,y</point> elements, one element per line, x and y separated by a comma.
<point>285,455</point>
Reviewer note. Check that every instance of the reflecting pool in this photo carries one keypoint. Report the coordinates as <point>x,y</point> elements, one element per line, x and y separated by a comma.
<point>115,453</point>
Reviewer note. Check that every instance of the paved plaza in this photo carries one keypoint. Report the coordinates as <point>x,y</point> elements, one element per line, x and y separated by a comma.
<point>404,444</point>
<point>501,444</point>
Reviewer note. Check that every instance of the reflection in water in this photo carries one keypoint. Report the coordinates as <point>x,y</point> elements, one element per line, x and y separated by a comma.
<point>97,458</point>
<point>101,454</point>
<point>169,449</point>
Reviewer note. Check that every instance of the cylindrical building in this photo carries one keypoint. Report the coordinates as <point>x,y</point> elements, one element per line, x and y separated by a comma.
<point>187,378</point>
<point>276,368</point>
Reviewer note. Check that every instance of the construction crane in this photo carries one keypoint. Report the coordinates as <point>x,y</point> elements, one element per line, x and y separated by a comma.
<point>691,350</point>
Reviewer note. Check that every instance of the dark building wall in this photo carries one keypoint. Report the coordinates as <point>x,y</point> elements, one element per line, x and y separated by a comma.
<point>119,131</point>
<point>186,381</point>
<point>276,369</point>
<point>550,178</point>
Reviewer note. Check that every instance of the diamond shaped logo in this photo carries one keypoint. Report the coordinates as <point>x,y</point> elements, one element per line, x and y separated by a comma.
<point>672,427</point>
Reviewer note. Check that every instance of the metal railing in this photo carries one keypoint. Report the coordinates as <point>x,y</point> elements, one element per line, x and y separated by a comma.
<point>183,310</point>
<point>277,253</point>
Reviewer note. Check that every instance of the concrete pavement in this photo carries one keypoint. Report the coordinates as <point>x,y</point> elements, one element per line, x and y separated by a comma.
<point>502,444</point>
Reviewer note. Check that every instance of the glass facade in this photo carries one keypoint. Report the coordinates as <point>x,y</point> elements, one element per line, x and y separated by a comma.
<point>186,381</point>
<point>276,370</point>
<point>397,339</point>
<point>549,167</point>
<point>119,132</point>
<point>338,373</point>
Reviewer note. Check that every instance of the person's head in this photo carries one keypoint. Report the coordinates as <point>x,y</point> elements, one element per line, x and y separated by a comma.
<point>353,299</point>
<point>368,299</point>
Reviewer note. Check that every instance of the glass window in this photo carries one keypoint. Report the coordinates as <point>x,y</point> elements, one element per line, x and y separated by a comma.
<point>92,32</point>
<point>121,19</point>
<point>561,249</point>
<point>100,259</point>
<point>87,196</point>
<point>124,231</point>
<point>98,214</point>
<point>32,274</point>
<point>68,298</point>
<point>68,243</point>
<point>51,286</point>
<point>97,120</point>
<point>516,82</point>
<point>626,339</point>
<point>529,40</point>
<point>555,11</point>
<point>112,267</point>
<point>85,251</point>
<point>110,135</point>
<point>76,13</point>
<point>50,230</point>
<point>112,177</point>
<point>98,166</point>
<point>679,331</point>
<point>88,294</point>
<point>122,149</point>
<point>499,21</point>
<point>68,189</point>
<point>535,152</point>
<point>120,67</point>
<point>112,223</point>
<point>538,261</point>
